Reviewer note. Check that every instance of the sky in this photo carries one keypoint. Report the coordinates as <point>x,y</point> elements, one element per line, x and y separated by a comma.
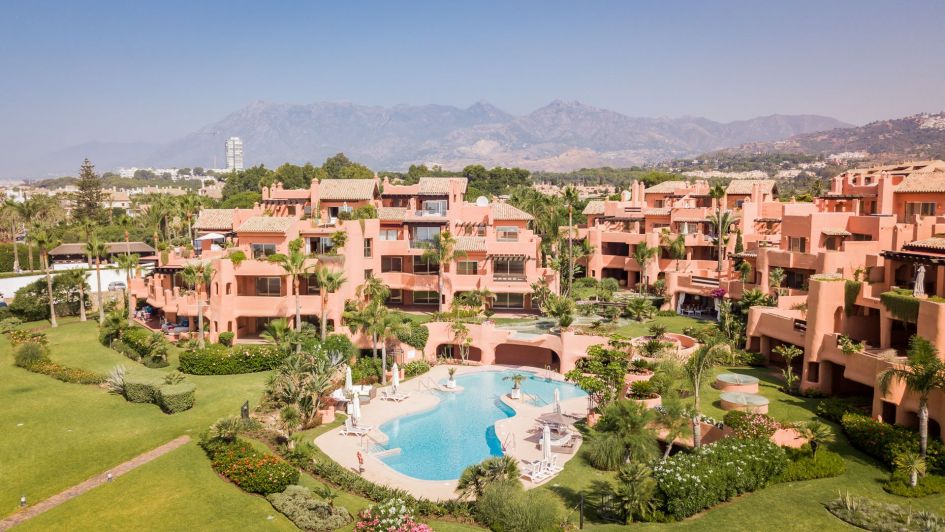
<point>77,71</point>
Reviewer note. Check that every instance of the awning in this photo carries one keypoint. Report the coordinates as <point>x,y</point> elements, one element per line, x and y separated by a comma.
<point>508,256</point>
<point>211,236</point>
<point>837,232</point>
<point>167,269</point>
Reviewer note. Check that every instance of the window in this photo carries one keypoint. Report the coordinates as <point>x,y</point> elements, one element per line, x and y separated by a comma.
<point>507,234</point>
<point>509,266</point>
<point>367,247</point>
<point>368,274</point>
<point>658,204</point>
<point>311,285</point>
<point>320,245</point>
<point>392,264</point>
<point>422,265</point>
<point>263,250</point>
<point>798,244</point>
<point>509,301</point>
<point>389,234</point>
<point>437,207</point>
<point>396,296</point>
<point>920,208</point>
<point>425,297</point>
<point>467,267</point>
<point>795,280</point>
<point>425,233</point>
<point>269,286</point>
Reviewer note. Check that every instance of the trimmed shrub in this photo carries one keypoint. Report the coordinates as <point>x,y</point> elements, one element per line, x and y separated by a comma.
<point>417,367</point>
<point>218,359</point>
<point>226,338</point>
<point>506,506</point>
<point>29,354</point>
<point>307,512</point>
<point>805,466</point>
<point>250,469</point>
<point>884,442</point>
<point>691,482</point>
<point>748,425</point>
<point>67,374</point>
<point>173,398</point>
<point>833,408</point>
<point>141,345</point>
<point>416,337</point>
<point>142,389</point>
<point>927,485</point>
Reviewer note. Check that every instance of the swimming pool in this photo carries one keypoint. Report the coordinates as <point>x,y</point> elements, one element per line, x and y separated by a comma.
<point>439,443</point>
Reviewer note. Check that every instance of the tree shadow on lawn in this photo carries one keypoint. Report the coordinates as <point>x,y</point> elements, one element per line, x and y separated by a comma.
<point>593,498</point>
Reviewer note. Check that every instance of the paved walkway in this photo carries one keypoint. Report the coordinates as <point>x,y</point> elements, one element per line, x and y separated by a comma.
<point>94,482</point>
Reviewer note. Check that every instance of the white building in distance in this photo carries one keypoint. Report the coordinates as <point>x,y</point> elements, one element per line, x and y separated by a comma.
<point>234,154</point>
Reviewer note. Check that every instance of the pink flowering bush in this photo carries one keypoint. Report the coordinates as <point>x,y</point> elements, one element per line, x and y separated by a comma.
<point>718,293</point>
<point>750,426</point>
<point>390,516</point>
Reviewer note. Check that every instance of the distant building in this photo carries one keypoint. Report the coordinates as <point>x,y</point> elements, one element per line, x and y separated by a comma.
<point>234,154</point>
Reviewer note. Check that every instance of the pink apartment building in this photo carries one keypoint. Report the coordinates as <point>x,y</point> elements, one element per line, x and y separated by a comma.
<point>880,225</point>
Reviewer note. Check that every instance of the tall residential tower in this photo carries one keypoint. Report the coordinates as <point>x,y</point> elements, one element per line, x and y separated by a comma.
<point>234,154</point>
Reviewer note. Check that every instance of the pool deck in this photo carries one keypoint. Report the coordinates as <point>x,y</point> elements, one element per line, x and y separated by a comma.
<point>514,432</point>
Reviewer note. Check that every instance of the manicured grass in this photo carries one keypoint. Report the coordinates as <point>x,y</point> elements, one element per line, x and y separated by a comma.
<point>789,506</point>
<point>178,491</point>
<point>675,324</point>
<point>56,434</point>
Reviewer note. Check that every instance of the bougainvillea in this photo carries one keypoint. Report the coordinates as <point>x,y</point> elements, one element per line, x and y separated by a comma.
<point>390,516</point>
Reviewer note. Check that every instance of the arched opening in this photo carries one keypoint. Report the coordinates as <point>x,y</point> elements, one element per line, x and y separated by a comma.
<point>527,355</point>
<point>453,351</point>
<point>935,430</point>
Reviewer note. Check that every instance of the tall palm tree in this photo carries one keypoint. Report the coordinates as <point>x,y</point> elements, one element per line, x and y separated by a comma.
<point>368,319</point>
<point>295,264</point>
<point>476,477</point>
<point>199,275</point>
<point>922,374</point>
<point>329,282</point>
<point>45,241</point>
<point>373,290</point>
<point>96,249</point>
<point>675,419</point>
<point>571,199</point>
<point>676,246</point>
<point>441,251</point>
<point>128,264</point>
<point>12,214</point>
<point>126,222</point>
<point>391,327</point>
<point>696,370</point>
<point>644,255</point>
<point>722,224</point>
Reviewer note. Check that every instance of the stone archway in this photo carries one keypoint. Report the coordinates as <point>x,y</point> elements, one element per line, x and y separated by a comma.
<point>527,355</point>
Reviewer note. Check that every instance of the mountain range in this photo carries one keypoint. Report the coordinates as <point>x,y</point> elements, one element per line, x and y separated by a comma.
<point>560,136</point>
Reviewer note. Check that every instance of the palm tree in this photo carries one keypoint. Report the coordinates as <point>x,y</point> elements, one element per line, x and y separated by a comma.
<point>817,433</point>
<point>674,417</point>
<point>199,275</point>
<point>125,222</point>
<point>635,491</point>
<point>476,477</point>
<point>922,374</point>
<point>329,282</point>
<point>367,319</point>
<point>373,290</point>
<point>570,198</point>
<point>676,246</point>
<point>391,327</point>
<point>722,224</point>
<point>775,280</point>
<point>696,370</point>
<point>441,251</point>
<point>45,241</point>
<point>626,434</point>
<point>643,254</point>
<point>912,464</point>
<point>12,212</point>
<point>97,249</point>
<point>279,333</point>
<point>76,278</point>
<point>296,264</point>
<point>128,264</point>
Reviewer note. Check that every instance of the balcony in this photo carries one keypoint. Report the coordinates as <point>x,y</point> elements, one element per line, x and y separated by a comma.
<point>509,277</point>
<point>421,244</point>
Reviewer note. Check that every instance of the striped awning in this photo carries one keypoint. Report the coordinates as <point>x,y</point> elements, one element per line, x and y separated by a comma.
<point>508,256</point>
<point>767,220</point>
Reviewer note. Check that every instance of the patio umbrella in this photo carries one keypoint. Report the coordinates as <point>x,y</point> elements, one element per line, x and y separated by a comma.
<point>557,401</point>
<point>211,236</point>
<point>546,444</point>
<point>395,377</point>
<point>356,408</point>
<point>348,385</point>
<point>554,418</point>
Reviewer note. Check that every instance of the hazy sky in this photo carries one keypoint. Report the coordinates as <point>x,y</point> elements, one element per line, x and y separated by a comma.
<point>76,71</point>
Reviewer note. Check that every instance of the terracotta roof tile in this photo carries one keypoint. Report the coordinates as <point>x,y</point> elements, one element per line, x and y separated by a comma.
<point>215,219</point>
<point>743,186</point>
<point>398,214</point>
<point>470,243</point>
<point>112,247</point>
<point>923,181</point>
<point>935,243</point>
<point>504,211</point>
<point>666,187</point>
<point>266,224</point>
<point>657,211</point>
<point>439,186</point>
<point>594,207</point>
<point>346,189</point>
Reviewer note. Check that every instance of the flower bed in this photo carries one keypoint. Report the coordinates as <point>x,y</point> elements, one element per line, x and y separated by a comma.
<point>390,516</point>
<point>250,469</point>
<point>880,517</point>
<point>217,359</point>
<point>691,482</point>
<point>748,425</point>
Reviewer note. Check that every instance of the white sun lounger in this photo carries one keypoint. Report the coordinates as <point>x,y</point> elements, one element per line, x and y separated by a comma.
<point>350,429</point>
<point>538,472</point>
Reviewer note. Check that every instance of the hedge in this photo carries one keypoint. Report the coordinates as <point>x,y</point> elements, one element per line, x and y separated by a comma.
<point>808,466</point>
<point>172,398</point>
<point>6,257</point>
<point>884,442</point>
<point>251,470</point>
<point>142,389</point>
<point>416,336</point>
<point>218,359</point>
<point>142,346</point>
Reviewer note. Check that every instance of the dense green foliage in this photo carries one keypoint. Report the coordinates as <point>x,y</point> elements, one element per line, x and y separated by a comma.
<point>6,256</point>
<point>171,397</point>
<point>506,507</point>
<point>805,465</point>
<point>901,304</point>
<point>30,353</point>
<point>251,470</point>
<point>31,303</point>
<point>833,408</point>
<point>142,345</point>
<point>306,511</point>
<point>884,441</point>
<point>851,289</point>
<point>927,485</point>
<point>415,336</point>
<point>882,517</point>
<point>218,359</point>
<point>691,482</point>
<point>417,367</point>
<point>366,371</point>
<point>226,338</point>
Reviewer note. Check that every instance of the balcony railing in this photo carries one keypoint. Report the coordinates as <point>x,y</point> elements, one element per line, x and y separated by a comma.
<point>510,277</point>
<point>420,244</point>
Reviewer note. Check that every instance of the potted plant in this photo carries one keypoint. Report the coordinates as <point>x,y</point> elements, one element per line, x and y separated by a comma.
<point>644,392</point>
<point>639,370</point>
<point>451,383</point>
<point>516,385</point>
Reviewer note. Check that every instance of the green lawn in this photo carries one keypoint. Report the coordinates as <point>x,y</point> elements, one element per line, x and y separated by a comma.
<point>56,434</point>
<point>790,506</point>
<point>675,324</point>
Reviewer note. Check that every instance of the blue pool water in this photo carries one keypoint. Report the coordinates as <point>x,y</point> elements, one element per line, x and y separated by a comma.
<point>438,444</point>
